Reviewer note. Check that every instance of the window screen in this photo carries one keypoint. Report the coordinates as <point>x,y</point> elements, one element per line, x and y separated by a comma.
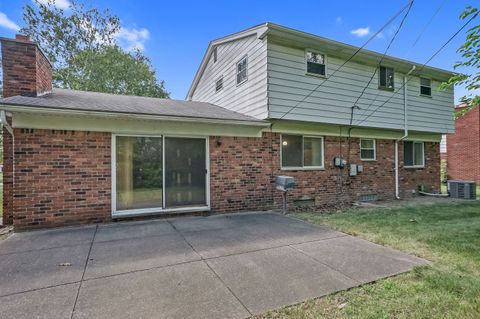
<point>219,84</point>
<point>413,154</point>
<point>425,87</point>
<point>299,151</point>
<point>386,78</point>
<point>315,63</point>
<point>242,70</point>
<point>367,149</point>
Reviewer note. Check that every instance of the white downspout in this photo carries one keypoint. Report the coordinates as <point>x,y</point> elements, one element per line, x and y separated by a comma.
<point>405,126</point>
<point>3,118</point>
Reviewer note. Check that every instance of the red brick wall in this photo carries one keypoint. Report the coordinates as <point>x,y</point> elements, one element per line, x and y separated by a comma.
<point>26,71</point>
<point>64,177</point>
<point>61,178</point>
<point>243,171</point>
<point>463,148</point>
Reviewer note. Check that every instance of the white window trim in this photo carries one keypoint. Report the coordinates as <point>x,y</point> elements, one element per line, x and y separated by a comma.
<point>413,154</point>
<point>157,210</point>
<point>216,81</point>
<point>369,149</point>
<point>385,88</point>
<point>245,57</point>
<point>302,168</point>
<point>306,63</point>
<point>420,87</point>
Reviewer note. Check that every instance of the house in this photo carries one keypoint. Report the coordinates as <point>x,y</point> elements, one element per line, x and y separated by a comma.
<point>463,147</point>
<point>266,101</point>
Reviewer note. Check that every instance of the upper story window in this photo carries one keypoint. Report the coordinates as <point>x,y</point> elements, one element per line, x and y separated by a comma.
<point>367,149</point>
<point>300,152</point>
<point>387,78</point>
<point>219,84</point>
<point>215,54</point>
<point>425,87</point>
<point>316,63</point>
<point>242,70</point>
<point>413,154</point>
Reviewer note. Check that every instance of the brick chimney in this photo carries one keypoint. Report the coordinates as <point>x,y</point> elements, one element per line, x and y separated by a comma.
<point>26,69</point>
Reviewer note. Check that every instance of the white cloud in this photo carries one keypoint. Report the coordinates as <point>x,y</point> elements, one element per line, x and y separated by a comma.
<point>361,32</point>
<point>61,4</point>
<point>339,20</point>
<point>380,35</point>
<point>132,38</point>
<point>7,23</point>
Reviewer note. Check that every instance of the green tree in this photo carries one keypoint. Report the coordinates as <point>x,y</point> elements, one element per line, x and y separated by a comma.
<point>112,70</point>
<point>81,44</point>
<point>470,53</point>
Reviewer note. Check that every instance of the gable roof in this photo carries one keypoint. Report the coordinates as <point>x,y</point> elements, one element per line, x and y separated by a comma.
<point>61,100</point>
<point>302,39</point>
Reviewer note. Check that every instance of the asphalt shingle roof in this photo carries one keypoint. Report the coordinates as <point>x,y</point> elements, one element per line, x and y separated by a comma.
<point>64,99</point>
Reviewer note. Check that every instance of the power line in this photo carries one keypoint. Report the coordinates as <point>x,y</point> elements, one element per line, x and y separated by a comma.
<point>350,58</point>
<point>428,24</point>
<point>420,69</point>
<point>380,62</point>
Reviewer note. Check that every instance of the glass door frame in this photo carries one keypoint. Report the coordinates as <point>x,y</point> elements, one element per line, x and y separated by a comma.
<point>158,210</point>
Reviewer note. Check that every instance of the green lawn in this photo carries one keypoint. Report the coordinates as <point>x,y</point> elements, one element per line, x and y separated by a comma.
<point>447,234</point>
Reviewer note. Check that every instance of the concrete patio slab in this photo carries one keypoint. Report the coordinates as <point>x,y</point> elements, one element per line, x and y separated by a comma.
<point>223,242</point>
<point>125,230</point>
<point>272,278</point>
<point>41,268</point>
<point>360,259</point>
<point>120,256</point>
<point>183,291</point>
<point>48,303</point>
<point>44,239</point>
<point>251,263</point>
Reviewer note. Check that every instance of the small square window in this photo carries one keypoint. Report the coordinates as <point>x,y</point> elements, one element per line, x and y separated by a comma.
<point>413,154</point>
<point>242,70</point>
<point>425,87</point>
<point>315,63</point>
<point>367,149</point>
<point>387,78</point>
<point>219,84</point>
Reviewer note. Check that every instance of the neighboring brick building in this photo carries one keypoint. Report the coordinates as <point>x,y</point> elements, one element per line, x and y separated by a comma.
<point>463,147</point>
<point>80,157</point>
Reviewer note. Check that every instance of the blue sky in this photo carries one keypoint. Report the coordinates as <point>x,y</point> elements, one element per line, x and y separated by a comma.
<point>175,34</point>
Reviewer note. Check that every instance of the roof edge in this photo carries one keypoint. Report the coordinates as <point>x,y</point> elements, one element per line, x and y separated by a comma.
<point>12,107</point>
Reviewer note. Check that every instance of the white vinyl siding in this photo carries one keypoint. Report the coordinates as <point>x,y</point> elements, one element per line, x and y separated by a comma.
<point>288,85</point>
<point>250,98</point>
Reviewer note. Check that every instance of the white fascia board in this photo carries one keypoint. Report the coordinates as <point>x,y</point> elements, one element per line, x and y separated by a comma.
<point>113,115</point>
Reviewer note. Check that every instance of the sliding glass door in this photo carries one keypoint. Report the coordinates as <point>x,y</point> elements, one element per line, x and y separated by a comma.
<point>156,173</point>
<point>185,172</point>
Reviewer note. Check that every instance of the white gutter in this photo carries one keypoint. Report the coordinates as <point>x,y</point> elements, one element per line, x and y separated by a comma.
<point>72,112</point>
<point>405,135</point>
<point>5,123</point>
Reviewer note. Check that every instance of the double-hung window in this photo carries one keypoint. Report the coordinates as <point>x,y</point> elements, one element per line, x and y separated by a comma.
<point>413,154</point>
<point>386,78</point>
<point>367,149</point>
<point>242,75</point>
<point>219,84</point>
<point>316,63</point>
<point>300,152</point>
<point>425,87</point>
